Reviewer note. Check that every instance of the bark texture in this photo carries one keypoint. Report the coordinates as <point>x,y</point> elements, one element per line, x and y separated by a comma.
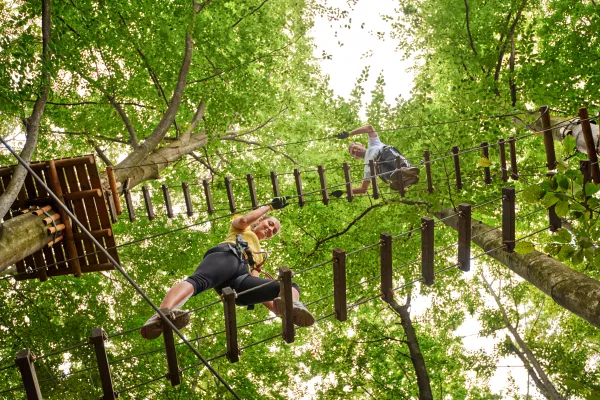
<point>570,289</point>
<point>20,237</point>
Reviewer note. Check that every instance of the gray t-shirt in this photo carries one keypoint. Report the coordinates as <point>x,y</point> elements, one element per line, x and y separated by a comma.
<point>373,148</point>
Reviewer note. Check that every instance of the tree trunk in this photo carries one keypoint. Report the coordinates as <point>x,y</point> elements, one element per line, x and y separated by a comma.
<point>570,289</point>
<point>20,237</point>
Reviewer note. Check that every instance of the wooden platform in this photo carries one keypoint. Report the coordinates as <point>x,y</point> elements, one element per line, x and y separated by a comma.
<point>76,181</point>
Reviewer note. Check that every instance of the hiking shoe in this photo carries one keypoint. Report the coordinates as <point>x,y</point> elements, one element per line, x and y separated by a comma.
<point>153,327</point>
<point>302,317</point>
<point>410,176</point>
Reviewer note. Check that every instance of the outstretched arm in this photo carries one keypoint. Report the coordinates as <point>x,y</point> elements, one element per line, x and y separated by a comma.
<point>363,188</point>
<point>246,220</point>
<point>368,129</point>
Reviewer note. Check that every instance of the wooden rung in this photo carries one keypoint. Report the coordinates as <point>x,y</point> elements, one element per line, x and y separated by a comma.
<point>39,211</point>
<point>189,207</point>
<point>339,285</point>
<point>508,219</point>
<point>299,191</point>
<point>53,229</point>
<point>287,314</point>
<point>210,208</point>
<point>53,242</point>
<point>233,350</point>
<point>25,361</point>
<point>111,207</point>
<point>167,197</point>
<point>503,168</point>
<point>71,162</point>
<point>514,173</point>
<point>374,179</point>
<point>385,257</point>
<point>348,179</point>
<point>458,176</point>
<point>148,202</point>
<point>84,194</point>
<point>426,157</point>
<point>97,339</point>
<point>174,373</point>
<point>548,139</point>
<point>397,176</point>
<point>275,184</point>
<point>586,129</point>
<point>323,182</point>
<point>130,207</point>
<point>112,182</point>
<point>464,237</point>
<point>252,190</point>
<point>427,250</point>
<point>230,197</point>
<point>52,217</point>
<point>98,234</point>
<point>485,150</point>
<point>36,166</point>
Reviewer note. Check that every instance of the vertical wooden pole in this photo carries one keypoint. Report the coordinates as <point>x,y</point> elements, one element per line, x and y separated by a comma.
<point>169,340</point>
<point>586,129</point>
<point>287,314</point>
<point>230,197</point>
<point>555,222</point>
<point>385,258</point>
<point>209,201</point>
<point>24,361</point>
<point>97,339</point>
<point>323,182</point>
<point>189,207</point>
<point>339,285</point>
<point>233,350</point>
<point>252,190</point>
<point>346,168</point>
<point>111,207</point>
<point>487,176</point>
<point>514,173</point>
<point>167,197</point>
<point>373,179</point>
<point>427,252</point>
<point>110,174</point>
<point>397,176</point>
<point>548,139</point>
<point>426,157</point>
<point>508,219</point>
<point>275,184</point>
<point>464,236</point>
<point>455,151</point>
<point>148,202</point>
<point>130,207</point>
<point>503,168</point>
<point>298,180</point>
<point>585,168</point>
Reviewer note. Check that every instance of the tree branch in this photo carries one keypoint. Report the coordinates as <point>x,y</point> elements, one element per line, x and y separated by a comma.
<point>100,137</point>
<point>529,369</point>
<point>197,118</point>
<point>235,139</point>
<point>469,28</point>
<point>511,81</point>
<point>251,12</point>
<point>83,103</point>
<point>503,46</point>
<point>205,163</point>
<point>233,134</point>
<point>100,153</point>
<point>132,136</point>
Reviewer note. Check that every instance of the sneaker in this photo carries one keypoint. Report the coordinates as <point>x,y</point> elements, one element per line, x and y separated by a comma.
<point>153,327</point>
<point>302,317</point>
<point>410,176</point>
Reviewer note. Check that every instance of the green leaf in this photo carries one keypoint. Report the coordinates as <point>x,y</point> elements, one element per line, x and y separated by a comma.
<point>483,162</point>
<point>563,236</point>
<point>524,247</point>
<point>565,253</point>
<point>562,181</point>
<point>585,242</point>
<point>549,199</point>
<point>591,189</point>
<point>562,208</point>
<point>569,144</point>
<point>577,257</point>
<point>532,194</point>
<point>576,207</point>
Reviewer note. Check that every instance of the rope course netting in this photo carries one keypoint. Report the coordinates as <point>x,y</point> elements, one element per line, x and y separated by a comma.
<point>505,202</point>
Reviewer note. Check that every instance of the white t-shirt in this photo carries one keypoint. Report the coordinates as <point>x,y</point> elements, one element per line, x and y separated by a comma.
<point>373,148</point>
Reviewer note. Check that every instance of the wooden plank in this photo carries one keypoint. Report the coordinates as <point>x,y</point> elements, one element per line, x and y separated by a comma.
<point>398,178</point>
<point>189,206</point>
<point>129,203</point>
<point>233,350</point>
<point>485,150</point>
<point>167,197</point>
<point>83,194</point>
<point>464,237</point>
<point>43,174</point>
<point>508,219</point>
<point>385,257</point>
<point>548,139</point>
<point>374,179</point>
<point>457,174</point>
<point>339,285</point>
<point>275,184</point>
<point>287,314</point>
<point>148,202</point>
<point>252,190</point>
<point>98,234</point>
<point>209,201</point>
<point>514,173</point>
<point>427,250</point>
<point>503,167</point>
<point>97,339</point>
<point>589,143</point>
<point>30,187</point>
<point>40,271</point>
<point>171,351</point>
<point>348,179</point>
<point>323,182</point>
<point>299,191</point>
<point>230,197</point>
<point>114,218</point>
<point>112,182</point>
<point>24,362</point>
<point>586,172</point>
<point>8,171</point>
<point>426,157</point>
<point>70,162</point>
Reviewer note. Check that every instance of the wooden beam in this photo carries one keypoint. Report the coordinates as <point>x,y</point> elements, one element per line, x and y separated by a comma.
<point>346,168</point>
<point>514,173</point>
<point>174,373</point>
<point>464,237</point>
<point>586,128</point>
<point>503,168</point>
<point>233,350</point>
<point>374,179</point>
<point>25,361</point>
<point>209,201</point>
<point>457,174</point>
<point>397,176</point>
<point>385,257</point>
<point>275,183</point>
<point>427,250</point>
<point>230,197</point>
<point>112,182</point>
<point>508,219</point>
<point>323,182</point>
<point>548,139</point>
<point>167,197</point>
<point>339,285</point>
<point>97,339</point>
<point>485,150</point>
<point>287,314</point>
<point>426,157</point>
<point>148,203</point>
<point>252,190</point>
<point>189,206</point>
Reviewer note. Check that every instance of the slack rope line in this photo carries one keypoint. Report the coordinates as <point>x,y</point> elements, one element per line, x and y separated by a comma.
<point>118,267</point>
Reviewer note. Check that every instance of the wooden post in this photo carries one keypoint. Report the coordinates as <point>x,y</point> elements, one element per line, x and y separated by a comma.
<point>174,373</point>
<point>555,222</point>
<point>230,197</point>
<point>373,179</point>
<point>111,207</point>
<point>397,176</point>
<point>130,207</point>
<point>385,258</point>
<point>298,180</point>
<point>503,167</point>
<point>252,190</point>
<point>233,351</point>
<point>346,168</point>
<point>514,173</point>
<point>110,174</point>
<point>586,128</point>
<point>167,197</point>
<point>24,361</point>
<point>585,168</point>
<point>487,176</point>
<point>323,182</point>
<point>464,237</point>
<point>209,201</point>
<point>275,183</point>
<point>97,339</point>
<point>508,219</point>
<point>426,156</point>
<point>427,252</point>
<point>548,139</point>
<point>189,207</point>
<point>287,314</point>
<point>455,151</point>
<point>339,285</point>
<point>148,202</point>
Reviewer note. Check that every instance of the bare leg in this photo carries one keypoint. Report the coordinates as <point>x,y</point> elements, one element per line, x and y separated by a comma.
<point>178,295</point>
